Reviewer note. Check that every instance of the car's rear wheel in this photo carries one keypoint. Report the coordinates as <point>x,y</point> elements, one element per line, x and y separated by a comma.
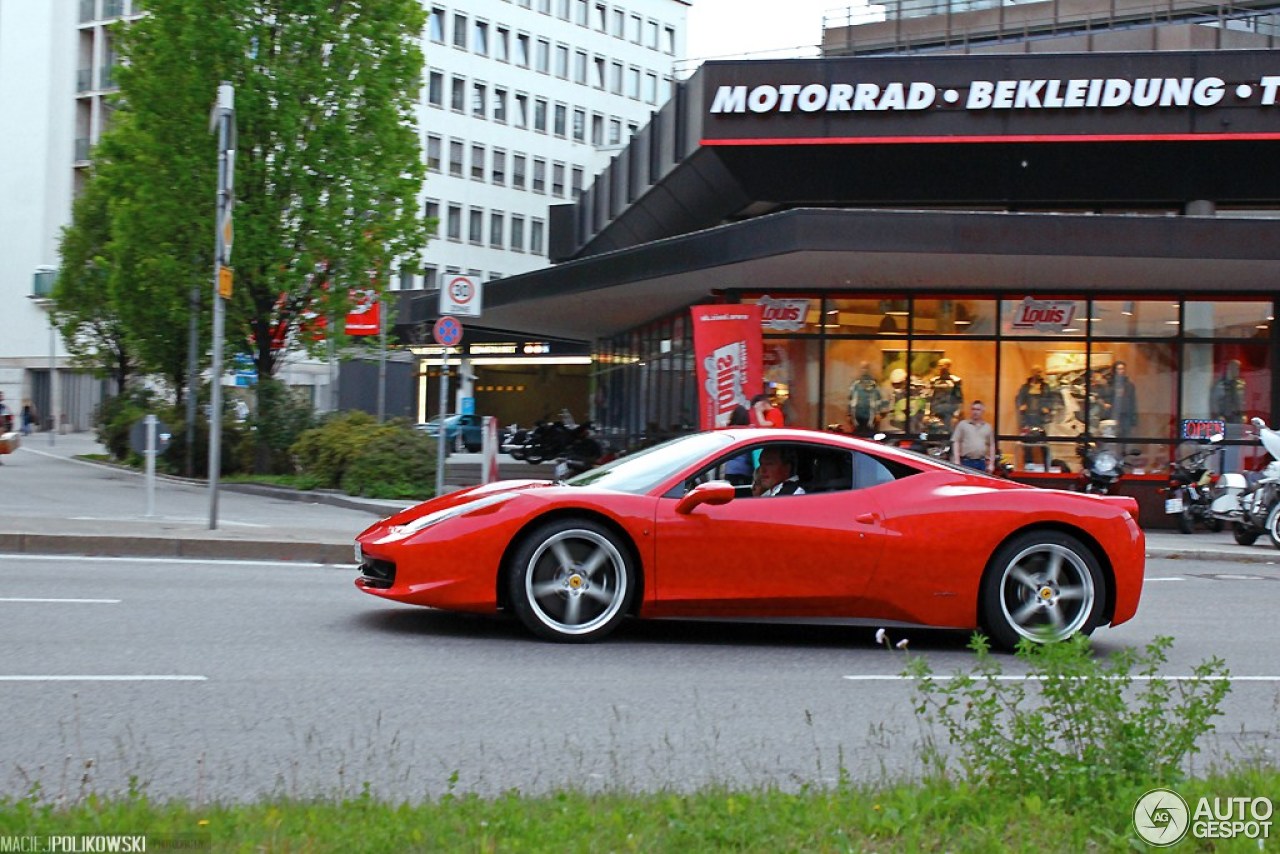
<point>571,580</point>
<point>1043,586</point>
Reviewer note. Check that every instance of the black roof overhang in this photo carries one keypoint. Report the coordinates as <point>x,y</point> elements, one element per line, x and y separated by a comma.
<point>894,252</point>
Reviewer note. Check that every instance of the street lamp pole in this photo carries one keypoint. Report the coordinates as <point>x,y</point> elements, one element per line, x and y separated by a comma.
<point>41,296</point>
<point>223,120</point>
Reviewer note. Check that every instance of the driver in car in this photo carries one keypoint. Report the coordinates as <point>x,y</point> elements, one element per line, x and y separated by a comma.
<point>775,475</point>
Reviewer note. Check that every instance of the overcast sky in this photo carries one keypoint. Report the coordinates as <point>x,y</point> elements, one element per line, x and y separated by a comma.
<point>761,28</point>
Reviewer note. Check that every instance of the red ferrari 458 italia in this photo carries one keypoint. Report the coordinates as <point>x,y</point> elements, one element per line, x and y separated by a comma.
<point>840,529</point>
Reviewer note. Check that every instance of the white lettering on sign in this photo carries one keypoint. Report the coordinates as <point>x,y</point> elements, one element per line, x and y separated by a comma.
<point>783,315</point>
<point>1031,94</point>
<point>1044,315</point>
<point>726,379</point>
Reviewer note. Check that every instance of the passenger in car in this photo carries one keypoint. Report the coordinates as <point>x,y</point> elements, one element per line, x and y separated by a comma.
<point>775,475</point>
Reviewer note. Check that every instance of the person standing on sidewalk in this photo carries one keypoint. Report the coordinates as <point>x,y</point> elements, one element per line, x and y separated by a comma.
<point>6,416</point>
<point>973,442</point>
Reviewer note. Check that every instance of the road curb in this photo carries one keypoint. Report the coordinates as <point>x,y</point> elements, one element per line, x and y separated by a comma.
<point>1260,556</point>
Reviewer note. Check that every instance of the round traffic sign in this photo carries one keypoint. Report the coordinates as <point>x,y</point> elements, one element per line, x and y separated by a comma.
<point>447,331</point>
<point>461,290</point>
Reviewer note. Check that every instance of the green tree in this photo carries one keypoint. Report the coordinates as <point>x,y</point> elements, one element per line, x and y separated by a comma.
<point>327,167</point>
<point>94,333</point>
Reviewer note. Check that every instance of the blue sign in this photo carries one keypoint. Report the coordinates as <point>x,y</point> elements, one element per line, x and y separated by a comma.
<point>468,406</point>
<point>447,331</point>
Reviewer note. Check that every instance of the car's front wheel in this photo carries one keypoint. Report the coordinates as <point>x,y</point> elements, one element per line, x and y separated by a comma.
<point>1043,586</point>
<point>571,580</point>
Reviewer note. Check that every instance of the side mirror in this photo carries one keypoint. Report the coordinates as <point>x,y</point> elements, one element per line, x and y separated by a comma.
<point>712,492</point>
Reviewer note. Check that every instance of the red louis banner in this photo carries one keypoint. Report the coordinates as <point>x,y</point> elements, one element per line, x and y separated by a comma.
<point>728,355</point>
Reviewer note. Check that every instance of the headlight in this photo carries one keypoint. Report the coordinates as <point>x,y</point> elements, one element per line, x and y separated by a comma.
<point>1104,463</point>
<point>399,532</point>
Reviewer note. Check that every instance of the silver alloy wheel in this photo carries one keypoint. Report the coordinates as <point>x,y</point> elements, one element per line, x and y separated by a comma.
<point>575,581</point>
<point>1046,592</point>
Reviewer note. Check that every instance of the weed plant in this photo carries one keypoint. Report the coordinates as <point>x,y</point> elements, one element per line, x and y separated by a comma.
<point>1077,731</point>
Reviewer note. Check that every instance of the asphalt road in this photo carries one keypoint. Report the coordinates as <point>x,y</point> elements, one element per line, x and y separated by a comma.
<point>227,681</point>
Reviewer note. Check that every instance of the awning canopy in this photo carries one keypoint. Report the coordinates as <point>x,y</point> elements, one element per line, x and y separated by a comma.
<point>896,252</point>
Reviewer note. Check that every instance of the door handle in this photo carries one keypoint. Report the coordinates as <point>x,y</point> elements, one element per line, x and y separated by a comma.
<point>865,518</point>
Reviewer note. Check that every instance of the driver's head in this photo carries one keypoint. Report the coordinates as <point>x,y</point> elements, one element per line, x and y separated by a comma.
<point>775,467</point>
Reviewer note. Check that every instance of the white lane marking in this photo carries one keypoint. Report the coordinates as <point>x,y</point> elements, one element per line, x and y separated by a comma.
<point>66,601</point>
<point>49,678</point>
<point>1027,677</point>
<point>1170,578</point>
<point>79,558</point>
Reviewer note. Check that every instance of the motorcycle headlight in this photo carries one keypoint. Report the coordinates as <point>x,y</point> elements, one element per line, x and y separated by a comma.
<point>1105,463</point>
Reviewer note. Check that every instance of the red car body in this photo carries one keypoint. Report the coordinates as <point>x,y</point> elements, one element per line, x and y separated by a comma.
<point>912,542</point>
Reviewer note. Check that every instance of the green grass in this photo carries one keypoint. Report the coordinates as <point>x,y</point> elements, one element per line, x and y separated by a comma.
<point>935,816</point>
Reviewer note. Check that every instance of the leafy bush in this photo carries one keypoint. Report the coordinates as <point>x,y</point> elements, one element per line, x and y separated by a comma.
<point>1076,731</point>
<point>351,451</point>
<point>325,450</point>
<point>395,461</point>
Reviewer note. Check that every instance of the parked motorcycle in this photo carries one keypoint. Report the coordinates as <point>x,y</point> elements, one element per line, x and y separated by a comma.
<point>547,440</point>
<point>1100,468</point>
<point>1189,493</point>
<point>583,453</point>
<point>1252,503</point>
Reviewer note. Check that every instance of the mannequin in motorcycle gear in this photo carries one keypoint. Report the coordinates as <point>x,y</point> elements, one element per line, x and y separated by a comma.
<point>946,395</point>
<point>1226,401</point>
<point>866,403</point>
<point>1035,410</point>
<point>1120,400</point>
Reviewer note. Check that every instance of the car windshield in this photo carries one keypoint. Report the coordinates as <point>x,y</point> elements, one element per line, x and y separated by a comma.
<point>640,472</point>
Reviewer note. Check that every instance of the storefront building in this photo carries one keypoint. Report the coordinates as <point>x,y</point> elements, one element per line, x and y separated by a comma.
<point>1107,219</point>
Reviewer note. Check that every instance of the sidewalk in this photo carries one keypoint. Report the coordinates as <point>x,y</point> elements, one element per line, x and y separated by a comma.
<point>51,503</point>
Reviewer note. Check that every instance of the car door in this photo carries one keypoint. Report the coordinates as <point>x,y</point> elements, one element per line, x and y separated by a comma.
<point>789,555</point>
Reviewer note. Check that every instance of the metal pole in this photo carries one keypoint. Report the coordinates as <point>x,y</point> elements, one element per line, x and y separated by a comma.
<point>193,359</point>
<point>444,403</point>
<point>382,362</point>
<point>225,117</point>
<point>150,454</point>
<point>53,373</point>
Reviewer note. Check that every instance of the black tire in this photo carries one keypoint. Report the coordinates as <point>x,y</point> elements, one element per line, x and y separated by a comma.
<point>571,580</point>
<point>1244,536</point>
<point>1273,524</point>
<point>1186,522</point>
<point>472,448</point>
<point>1214,524</point>
<point>1043,586</point>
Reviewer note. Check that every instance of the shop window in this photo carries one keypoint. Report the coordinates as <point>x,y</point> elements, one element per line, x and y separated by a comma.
<point>1039,316</point>
<point>857,394</point>
<point>1228,383</point>
<point>1226,319</point>
<point>1043,402</point>
<point>1134,318</point>
<point>791,371</point>
<point>1132,388</point>
<point>954,316</point>
<point>944,377</point>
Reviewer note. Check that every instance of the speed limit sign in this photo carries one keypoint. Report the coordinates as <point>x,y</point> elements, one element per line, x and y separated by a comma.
<point>460,296</point>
